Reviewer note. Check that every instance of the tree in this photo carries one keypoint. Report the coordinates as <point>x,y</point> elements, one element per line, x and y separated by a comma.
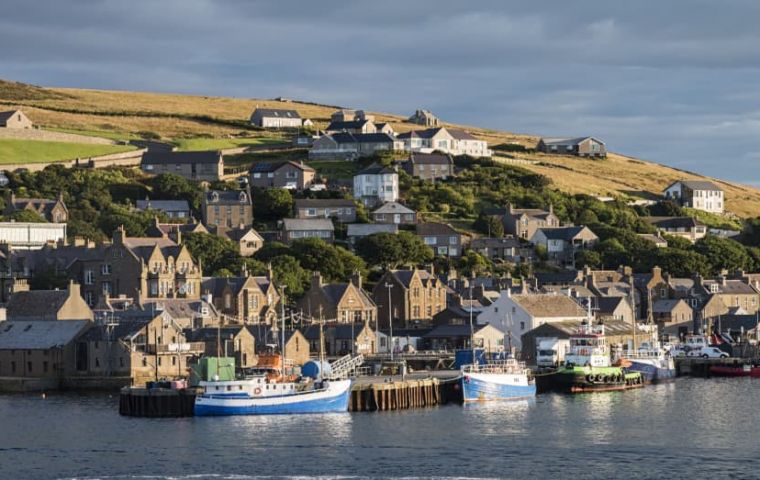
<point>272,204</point>
<point>288,272</point>
<point>393,250</point>
<point>217,255</point>
<point>587,217</point>
<point>335,263</point>
<point>490,225</point>
<point>677,242</point>
<point>473,263</point>
<point>723,253</point>
<point>588,258</point>
<point>682,263</point>
<point>171,186</point>
<point>27,216</point>
<point>612,253</point>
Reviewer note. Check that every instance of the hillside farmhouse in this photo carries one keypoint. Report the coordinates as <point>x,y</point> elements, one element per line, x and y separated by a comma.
<point>14,119</point>
<point>276,118</point>
<point>451,141</point>
<point>697,194</point>
<point>580,147</point>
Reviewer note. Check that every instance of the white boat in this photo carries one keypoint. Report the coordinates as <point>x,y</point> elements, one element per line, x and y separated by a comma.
<point>260,396</point>
<point>498,380</point>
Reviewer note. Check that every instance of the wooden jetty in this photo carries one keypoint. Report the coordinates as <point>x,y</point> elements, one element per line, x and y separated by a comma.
<point>368,396</point>
<point>156,402</point>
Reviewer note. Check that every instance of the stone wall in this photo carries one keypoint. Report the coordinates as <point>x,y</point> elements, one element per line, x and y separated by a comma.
<point>50,136</point>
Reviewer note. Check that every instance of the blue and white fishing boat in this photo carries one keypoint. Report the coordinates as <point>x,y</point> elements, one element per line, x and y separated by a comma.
<point>498,380</point>
<point>260,396</point>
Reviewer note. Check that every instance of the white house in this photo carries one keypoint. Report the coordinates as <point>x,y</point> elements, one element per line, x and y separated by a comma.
<point>31,236</point>
<point>376,184</point>
<point>276,118</point>
<point>516,314</point>
<point>697,194</point>
<point>561,243</point>
<point>451,141</point>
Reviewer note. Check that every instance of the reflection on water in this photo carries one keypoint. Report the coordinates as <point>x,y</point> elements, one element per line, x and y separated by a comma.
<point>691,428</point>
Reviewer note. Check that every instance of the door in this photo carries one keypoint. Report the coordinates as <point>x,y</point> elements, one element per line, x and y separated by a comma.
<point>396,218</point>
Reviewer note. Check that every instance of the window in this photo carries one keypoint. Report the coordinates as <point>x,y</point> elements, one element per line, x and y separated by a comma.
<point>174,360</point>
<point>311,212</point>
<point>107,288</point>
<point>105,269</point>
<point>443,250</point>
<point>45,367</point>
<point>430,241</point>
<point>88,298</point>
<point>97,362</point>
<point>270,175</point>
<point>522,325</point>
<point>13,367</point>
<point>416,311</point>
<point>256,175</point>
<point>89,276</point>
<point>453,240</point>
<point>29,367</point>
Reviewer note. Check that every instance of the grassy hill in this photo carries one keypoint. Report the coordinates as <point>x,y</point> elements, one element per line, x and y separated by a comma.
<point>210,122</point>
<point>30,151</point>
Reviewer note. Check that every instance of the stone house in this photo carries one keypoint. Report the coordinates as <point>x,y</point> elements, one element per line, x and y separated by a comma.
<point>245,299</point>
<point>580,146</point>
<point>248,240</point>
<point>14,119</point>
<point>339,302</point>
<point>171,208</point>
<point>698,194</point>
<point>442,238</point>
<point>509,249</point>
<point>185,312</point>
<point>235,341</point>
<point>136,350</point>
<point>48,305</point>
<point>376,184</point>
<point>667,313</point>
<point>276,118</point>
<point>523,222</point>
<point>168,230</point>
<point>516,314</point>
<point>685,227</point>
<point>611,308</point>
<point>447,140</point>
<point>385,128</point>
<point>734,294</point>
<point>229,209</point>
<point>562,243</point>
<point>429,166</point>
<point>54,211</point>
<point>424,118</point>
<point>290,175</point>
<point>132,266</point>
<point>299,228</point>
<point>394,212</point>
<point>350,115</point>
<point>198,166</point>
<point>37,355</point>
<point>343,210</point>
<point>416,296</point>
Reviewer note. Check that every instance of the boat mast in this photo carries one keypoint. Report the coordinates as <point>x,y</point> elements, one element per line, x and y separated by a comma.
<point>633,308</point>
<point>282,314</point>
<point>472,328</point>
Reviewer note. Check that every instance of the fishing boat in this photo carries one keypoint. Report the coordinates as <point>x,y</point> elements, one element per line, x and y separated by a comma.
<point>588,366</point>
<point>260,395</point>
<point>496,380</point>
<point>267,390</point>
<point>654,363</point>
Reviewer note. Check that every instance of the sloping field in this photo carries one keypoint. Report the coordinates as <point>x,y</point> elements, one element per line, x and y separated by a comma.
<point>31,151</point>
<point>184,118</point>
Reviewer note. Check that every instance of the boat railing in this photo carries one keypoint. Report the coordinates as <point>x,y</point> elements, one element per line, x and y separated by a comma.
<point>501,366</point>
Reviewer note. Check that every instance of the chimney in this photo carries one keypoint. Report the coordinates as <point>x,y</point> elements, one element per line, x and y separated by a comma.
<point>119,235</point>
<point>316,280</point>
<point>656,272</point>
<point>551,207</point>
<point>356,279</point>
<point>270,273</point>
<point>74,289</point>
<point>175,235</point>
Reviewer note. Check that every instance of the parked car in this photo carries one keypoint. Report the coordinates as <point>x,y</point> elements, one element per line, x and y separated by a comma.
<point>707,352</point>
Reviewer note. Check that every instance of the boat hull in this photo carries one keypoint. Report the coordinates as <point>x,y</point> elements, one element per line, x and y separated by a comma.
<point>333,399</point>
<point>590,380</point>
<point>481,387</point>
<point>652,373</point>
<point>721,371</point>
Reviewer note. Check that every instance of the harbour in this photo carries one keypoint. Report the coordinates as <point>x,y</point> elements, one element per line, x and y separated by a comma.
<point>689,427</point>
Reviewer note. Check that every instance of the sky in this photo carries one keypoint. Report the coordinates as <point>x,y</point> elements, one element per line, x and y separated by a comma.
<point>675,82</point>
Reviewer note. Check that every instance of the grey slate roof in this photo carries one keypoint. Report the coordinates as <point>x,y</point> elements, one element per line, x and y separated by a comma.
<point>665,305</point>
<point>564,142</point>
<point>291,224</point>
<point>36,304</point>
<point>227,197</point>
<point>393,207</point>
<point>430,159</point>
<point>698,185</point>
<point>268,167</point>
<point>324,203</point>
<point>562,233</point>
<point>276,113</point>
<point>163,205</point>
<point>376,169</point>
<point>20,335</point>
<point>159,157</point>
<point>435,229</point>
<point>4,116</point>
<point>364,229</point>
<point>338,126</point>
<point>674,222</point>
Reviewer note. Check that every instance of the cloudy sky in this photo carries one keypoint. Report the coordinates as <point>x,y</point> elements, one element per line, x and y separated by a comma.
<point>674,82</point>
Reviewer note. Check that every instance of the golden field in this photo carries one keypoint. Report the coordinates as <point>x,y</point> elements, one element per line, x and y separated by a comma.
<point>175,117</point>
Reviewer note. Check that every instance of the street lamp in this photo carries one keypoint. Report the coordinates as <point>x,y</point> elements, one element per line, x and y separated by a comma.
<point>390,318</point>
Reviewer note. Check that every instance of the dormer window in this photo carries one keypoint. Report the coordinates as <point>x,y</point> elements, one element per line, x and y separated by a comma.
<point>714,288</point>
<point>214,196</point>
<point>243,197</point>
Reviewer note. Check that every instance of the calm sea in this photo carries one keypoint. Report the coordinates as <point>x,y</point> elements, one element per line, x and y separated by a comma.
<point>693,428</point>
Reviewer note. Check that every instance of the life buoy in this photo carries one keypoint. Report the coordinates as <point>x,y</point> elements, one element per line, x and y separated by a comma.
<point>257,391</point>
<point>600,378</point>
<point>605,379</point>
<point>590,378</point>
